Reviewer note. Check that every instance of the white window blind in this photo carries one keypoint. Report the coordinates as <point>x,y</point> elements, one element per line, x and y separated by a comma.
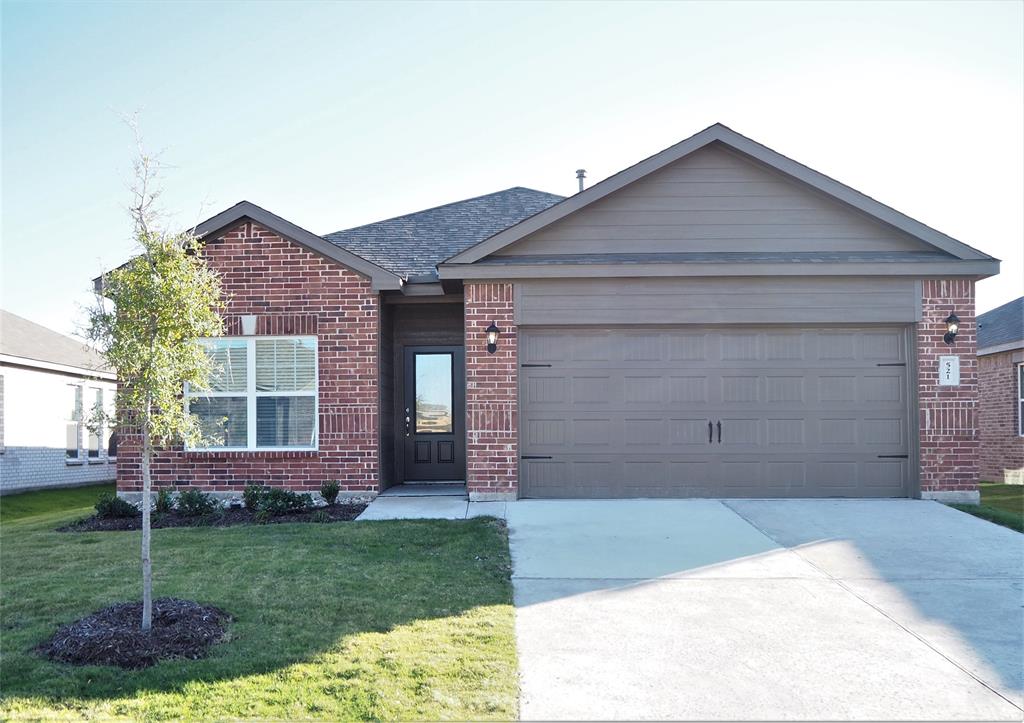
<point>263,394</point>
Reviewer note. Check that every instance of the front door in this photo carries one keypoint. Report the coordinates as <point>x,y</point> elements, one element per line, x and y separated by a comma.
<point>432,421</point>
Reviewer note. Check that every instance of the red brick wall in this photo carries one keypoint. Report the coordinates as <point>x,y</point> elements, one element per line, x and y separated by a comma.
<point>948,416</point>
<point>293,291</point>
<point>1002,447</point>
<point>492,463</point>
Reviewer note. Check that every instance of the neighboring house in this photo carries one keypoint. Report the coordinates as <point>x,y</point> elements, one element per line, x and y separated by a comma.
<point>49,383</point>
<point>1001,393</point>
<point>714,321</point>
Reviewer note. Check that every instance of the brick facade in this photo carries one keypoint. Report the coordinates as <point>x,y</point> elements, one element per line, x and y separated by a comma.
<point>492,460</point>
<point>1002,447</point>
<point>292,291</point>
<point>947,415</point>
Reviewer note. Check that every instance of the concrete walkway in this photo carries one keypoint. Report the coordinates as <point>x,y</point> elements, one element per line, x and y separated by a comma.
<point>432,508</point>
<point>781,610</point>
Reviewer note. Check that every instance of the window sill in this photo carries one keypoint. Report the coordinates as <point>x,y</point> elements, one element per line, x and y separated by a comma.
<point>74,462</point>
<point>97,460</point>
<point>217,454</point>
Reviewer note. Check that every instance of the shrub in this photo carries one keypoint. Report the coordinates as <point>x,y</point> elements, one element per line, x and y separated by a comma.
<point>109,505</point>
<point>196,503</point>
<point>275,501</point>
<point>329,491</point>
<point>164,501</point>
<point>320,517</point>
<point>251,496</point>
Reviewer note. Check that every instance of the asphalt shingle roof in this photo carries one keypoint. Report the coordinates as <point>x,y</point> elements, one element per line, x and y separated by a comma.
<point>28,340</point>
<point>1002,325</point>
<point>412,245</point>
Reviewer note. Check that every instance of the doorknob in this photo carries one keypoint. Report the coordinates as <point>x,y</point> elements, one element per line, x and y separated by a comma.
<point>711,432</point>
<point>719,431</point>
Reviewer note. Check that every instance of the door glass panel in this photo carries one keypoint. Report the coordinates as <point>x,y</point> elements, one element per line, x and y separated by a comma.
<point>434,393</point>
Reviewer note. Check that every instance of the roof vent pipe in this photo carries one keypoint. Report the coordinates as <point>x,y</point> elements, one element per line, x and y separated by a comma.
<point>580,175</point>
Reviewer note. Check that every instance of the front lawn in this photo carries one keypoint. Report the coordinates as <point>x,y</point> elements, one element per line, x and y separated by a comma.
<point>1002,504</point>
<point>353,620</point>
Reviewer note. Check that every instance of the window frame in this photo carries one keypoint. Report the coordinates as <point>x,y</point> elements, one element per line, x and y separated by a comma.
<point>251,395</point>
<point>1020,399</point>
<point>75,418</point>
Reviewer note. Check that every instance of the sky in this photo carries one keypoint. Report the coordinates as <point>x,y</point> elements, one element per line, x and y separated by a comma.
<point>338,114</point>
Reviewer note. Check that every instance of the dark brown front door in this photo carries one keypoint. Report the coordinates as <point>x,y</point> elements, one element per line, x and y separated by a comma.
<point>432,423</point>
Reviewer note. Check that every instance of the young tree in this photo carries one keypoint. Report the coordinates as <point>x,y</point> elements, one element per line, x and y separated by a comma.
<point>146,322</point>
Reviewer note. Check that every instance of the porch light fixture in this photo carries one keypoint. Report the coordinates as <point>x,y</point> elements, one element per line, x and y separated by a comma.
<point>492,338</point>
<point>952,327</point>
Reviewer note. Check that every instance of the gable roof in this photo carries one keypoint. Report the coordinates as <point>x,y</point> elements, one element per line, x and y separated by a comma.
<point>1002,326</point>
<point>216,225</point>
<point>413,244</point>
<point>719,133</point>
<point>33,342</point>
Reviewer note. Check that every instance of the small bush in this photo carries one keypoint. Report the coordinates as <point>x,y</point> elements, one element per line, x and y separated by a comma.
<point>251,496</point>
<point>164,501</point>
<point>109,506</point>
<point>320,517</point>
<point>196,503</point>
<point>275,501</point>
<point>329,491</point>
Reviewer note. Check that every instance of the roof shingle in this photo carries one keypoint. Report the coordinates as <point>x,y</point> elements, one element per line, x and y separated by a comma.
<point>28,340</point>
<point>412,245</point>
<point>1002,325</point>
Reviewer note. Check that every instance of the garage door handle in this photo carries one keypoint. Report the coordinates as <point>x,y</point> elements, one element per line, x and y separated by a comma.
<point>719,432</point>
<point>711,432</point>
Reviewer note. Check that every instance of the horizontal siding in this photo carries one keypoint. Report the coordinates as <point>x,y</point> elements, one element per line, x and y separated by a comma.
<point>716,301</point>
<point>714,200</point>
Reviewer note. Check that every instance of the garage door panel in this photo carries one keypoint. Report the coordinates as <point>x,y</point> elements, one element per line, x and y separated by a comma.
<point>803,412</point>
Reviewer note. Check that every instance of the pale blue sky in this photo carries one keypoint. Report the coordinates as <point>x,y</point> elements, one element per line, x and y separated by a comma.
<point>333,114</point>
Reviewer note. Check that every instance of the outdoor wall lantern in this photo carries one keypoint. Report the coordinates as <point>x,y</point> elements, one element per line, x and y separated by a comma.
<point>492,338</point>
<point>952,327</point>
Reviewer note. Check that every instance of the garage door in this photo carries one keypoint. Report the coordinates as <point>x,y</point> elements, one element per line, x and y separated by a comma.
<point>724,412</point>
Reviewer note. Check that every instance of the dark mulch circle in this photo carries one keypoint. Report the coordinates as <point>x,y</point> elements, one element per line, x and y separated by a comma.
<point>224,518</point>
<point>113,636</point>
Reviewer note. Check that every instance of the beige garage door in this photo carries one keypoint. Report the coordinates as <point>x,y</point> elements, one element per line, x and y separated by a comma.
<point>724,412</point>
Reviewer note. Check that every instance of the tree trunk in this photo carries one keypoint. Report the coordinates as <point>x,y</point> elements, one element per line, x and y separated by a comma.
<point>147,564</point>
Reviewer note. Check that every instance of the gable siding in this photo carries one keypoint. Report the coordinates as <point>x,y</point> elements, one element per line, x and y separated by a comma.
<point>714,200</point>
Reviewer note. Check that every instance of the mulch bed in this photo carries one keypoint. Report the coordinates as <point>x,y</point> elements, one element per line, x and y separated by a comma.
<point>225,518</point>
<point>113,636</point>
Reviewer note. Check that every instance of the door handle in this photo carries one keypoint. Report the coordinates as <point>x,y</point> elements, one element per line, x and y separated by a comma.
<point>719,431</point>
<point>711,432</point>
<point>408,420</point>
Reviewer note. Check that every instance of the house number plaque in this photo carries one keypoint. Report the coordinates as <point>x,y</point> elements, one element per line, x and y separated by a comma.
<point>949,371</point>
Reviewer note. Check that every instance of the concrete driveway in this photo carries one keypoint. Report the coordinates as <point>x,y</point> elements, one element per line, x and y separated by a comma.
<point>797,609</point>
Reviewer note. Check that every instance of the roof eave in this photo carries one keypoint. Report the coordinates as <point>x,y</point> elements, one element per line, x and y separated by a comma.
<point>974,269</point>
<point>381,279</point>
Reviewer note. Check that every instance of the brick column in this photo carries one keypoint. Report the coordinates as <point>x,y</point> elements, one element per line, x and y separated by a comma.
<point>492,459</point>
<point>948,415</point>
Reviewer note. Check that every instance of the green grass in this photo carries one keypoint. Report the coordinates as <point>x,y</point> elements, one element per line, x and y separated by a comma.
<point>1002,504</point>
<point>59,502</point>
<point>362,620</point>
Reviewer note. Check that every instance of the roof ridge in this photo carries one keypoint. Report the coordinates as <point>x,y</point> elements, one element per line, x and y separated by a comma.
<point>438,207</point>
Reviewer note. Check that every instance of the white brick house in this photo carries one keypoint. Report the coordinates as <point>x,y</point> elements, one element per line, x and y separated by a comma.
<point>48,385</point>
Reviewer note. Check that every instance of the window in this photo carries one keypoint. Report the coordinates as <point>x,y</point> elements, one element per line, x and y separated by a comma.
<point>1020,399</point>
<point>263,394</point>
<point>95,434</point>
<point>109,434</point>
<point>73,425</point>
